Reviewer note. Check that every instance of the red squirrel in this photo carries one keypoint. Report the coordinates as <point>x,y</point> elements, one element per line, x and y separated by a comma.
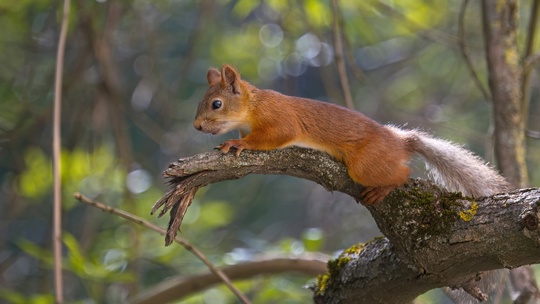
<point>376,155</point>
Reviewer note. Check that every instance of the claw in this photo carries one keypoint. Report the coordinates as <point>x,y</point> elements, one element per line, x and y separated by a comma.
<point>224,148</point>
<point>238,150</point>
<point>369,196</point>
<point>234,143</point>
<point>373,195</point>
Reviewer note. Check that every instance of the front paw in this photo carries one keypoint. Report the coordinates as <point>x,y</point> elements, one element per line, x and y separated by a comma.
<point>238,144</point>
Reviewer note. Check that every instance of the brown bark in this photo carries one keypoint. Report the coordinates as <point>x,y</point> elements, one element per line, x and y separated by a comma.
<point>433,238</point>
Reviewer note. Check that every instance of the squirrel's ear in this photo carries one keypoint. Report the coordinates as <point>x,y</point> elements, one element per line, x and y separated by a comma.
<point>230,78</point>
<point>213,76</point>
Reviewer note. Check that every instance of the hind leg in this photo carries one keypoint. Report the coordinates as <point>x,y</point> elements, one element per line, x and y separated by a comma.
<point>379,185</point>
<point>380,174</point>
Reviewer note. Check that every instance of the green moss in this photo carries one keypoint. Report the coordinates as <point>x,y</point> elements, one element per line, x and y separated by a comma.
<point>439,214</point>
<point>335,266</point>
<point>322,281</point>
<point>434,212</point>
<point>354,249</point>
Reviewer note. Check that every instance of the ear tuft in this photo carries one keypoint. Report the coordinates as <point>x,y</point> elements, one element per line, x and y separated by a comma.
<point>230,78</point>
<point>213,76</point>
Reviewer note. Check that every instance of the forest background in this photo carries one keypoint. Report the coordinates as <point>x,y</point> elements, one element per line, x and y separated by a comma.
<point>134,73</point>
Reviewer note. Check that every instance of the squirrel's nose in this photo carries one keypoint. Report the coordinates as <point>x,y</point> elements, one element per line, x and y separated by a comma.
<point>197,124</point>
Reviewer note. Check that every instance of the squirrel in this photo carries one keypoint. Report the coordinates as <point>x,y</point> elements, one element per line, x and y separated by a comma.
<point>376,155</point>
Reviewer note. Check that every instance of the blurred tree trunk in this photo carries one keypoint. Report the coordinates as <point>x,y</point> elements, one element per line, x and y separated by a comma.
<point>500,20</point>
<point>507,83</point>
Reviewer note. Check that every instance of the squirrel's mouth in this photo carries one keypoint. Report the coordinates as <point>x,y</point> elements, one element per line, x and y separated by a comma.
<point>213,131</point>
<point>214,128</point>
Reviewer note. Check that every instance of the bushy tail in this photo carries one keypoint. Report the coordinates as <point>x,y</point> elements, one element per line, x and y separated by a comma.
<point>454,167</point>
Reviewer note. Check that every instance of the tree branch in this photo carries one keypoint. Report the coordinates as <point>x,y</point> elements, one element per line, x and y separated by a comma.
<point>433,238</point>
<point>177,288</point>
<point>187,175</point>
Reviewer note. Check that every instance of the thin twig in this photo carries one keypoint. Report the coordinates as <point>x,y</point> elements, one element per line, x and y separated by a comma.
<point>57,169</point>
<point>465,52</point>
<point>177,239</point>
<point>338,48</point>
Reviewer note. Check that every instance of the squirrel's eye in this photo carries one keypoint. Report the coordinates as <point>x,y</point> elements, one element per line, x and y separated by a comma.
<point>216,104</point>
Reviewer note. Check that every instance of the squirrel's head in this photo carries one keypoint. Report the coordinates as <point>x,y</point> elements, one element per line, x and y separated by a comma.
<point>225,105</point>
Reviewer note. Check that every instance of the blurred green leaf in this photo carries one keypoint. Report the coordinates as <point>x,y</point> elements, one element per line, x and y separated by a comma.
<point>318,12</point>
<point>75,259</point>
<point>12,296</point>
<point>244,7</point>
<point>215,214</point>
<point>36,180</point>
<point>24,298</point>
<point>313,239</point>
<point>36,252</point>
